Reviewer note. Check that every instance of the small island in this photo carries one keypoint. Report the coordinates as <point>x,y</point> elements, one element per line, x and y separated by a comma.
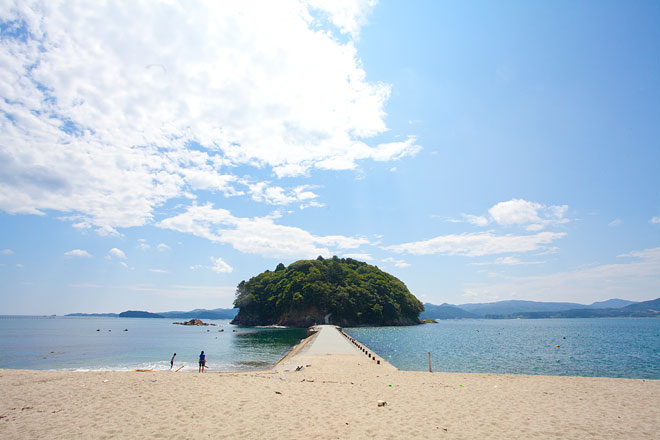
<point>340,291</point>
<point>193,322</point>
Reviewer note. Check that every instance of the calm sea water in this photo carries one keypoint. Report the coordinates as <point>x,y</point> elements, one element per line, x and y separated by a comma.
<point>588,347</point>
<point>71,343</point>
<point>622,347</point>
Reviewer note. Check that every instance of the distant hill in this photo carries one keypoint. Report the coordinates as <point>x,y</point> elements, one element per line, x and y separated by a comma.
<point>517,306</point>
<point>139,314</point>
<point>197,313</point>
<point>445,311</point>
<point>652,307</point>
<point>202,314</point>
<point>97,315</point>
<point>611,304</point>
<point>534,309</point>
<point>646,309</point>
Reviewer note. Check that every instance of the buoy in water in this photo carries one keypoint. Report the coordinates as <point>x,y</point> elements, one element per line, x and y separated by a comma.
<point>558,345</point>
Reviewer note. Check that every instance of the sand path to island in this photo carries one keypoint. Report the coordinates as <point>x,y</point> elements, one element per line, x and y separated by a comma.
<point>333,396</point>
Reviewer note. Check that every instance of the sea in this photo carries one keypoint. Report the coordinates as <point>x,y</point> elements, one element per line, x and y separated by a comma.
<point>614,347</point>
<point>593,347</point>
<point>124,344</point>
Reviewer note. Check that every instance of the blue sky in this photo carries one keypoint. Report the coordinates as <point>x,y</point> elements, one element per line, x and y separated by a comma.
<point>153,156</point>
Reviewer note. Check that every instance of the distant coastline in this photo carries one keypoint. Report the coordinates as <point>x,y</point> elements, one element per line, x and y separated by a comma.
<point>192,314</point>
<point>516,309</point>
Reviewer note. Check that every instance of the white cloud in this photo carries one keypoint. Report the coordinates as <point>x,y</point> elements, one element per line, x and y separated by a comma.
<point>84,286</point>
<point>196,90</point>
<point>143,246</point>
<point>162,247</point>
<point>78,253</point>
<point>158,270</point>
<point>476,220</point>
<point>19,266</point>
<point>507,261</point>
<point>117,253</point>
<point>258,235</point>
<point>347,15</point>
<point>534,216</point>
<point>6,252</point>
<point>276,195</point>
<point>655,220</point>
<point>479,244</point>
<point>397,263</point>
<point>223,293</point>
<point>220,266</point>
<point>638,279</point>
<point>615,222</point>
<point>358,256</point>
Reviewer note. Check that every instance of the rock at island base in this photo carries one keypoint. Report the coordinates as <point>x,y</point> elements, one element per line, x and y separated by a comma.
<point>194,322</point>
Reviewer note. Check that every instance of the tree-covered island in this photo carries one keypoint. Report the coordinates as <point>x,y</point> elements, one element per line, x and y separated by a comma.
<point>304,293</point>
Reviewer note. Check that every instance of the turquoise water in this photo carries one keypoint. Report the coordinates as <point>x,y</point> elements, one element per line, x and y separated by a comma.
<point>588,347</point>
<point>622,347</point>
<point>68,343</point>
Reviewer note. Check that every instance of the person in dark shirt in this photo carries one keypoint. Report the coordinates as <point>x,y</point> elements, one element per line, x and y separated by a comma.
<point>172,361</point>
<point>202,362</point>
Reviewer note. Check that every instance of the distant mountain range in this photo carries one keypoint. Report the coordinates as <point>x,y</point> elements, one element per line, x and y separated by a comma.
<point>197,313</point>
<point>613,308</point>
<point>534,310</point>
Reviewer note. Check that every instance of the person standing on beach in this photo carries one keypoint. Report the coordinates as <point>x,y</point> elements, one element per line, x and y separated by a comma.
<point>202,362</point>
<point>172,361</point>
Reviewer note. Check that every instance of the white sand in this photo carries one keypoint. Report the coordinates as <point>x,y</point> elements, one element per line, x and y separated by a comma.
<point>335,397</point>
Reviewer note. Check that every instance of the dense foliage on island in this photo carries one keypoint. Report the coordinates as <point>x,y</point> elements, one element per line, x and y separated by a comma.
<point>304,293</point>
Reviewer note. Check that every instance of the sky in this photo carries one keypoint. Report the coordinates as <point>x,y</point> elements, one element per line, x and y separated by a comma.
<point>154,154</point>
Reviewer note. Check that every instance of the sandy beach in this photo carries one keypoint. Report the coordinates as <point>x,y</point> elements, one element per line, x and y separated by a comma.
<point>334,395</point>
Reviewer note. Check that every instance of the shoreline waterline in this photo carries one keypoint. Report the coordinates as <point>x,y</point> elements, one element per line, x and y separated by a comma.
<point>328,380</point>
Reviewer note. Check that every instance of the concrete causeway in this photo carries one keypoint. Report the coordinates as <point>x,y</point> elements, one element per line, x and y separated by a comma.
<point>328,344</point>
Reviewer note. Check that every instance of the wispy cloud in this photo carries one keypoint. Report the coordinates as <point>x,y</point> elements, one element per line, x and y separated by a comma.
<point>6,252</point>
<point>259,235</point>
<point>221,293</point>
<point>116,253</point>
<point>637,279</point>
<point>220,266</point>
<point>85,286</point>
<point>655,220</point>
<point>476,220</point>
<point>397,263</point>
<point>276,195</point>
<point>358,256</point>
<point>479,244</point>
<point>78,253</point>
<point>614,223</point>
<point>507,261</point>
